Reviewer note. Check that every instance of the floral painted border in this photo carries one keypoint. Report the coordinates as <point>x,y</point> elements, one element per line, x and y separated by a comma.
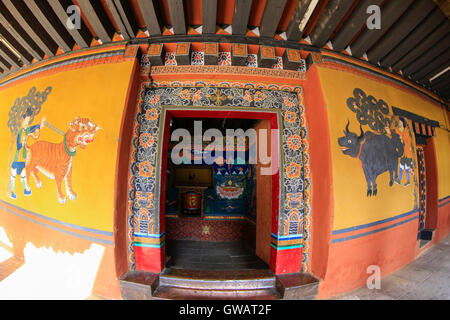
<point>143,206</point>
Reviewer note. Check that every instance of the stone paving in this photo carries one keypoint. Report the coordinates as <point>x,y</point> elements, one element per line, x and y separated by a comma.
<point>426,278</point>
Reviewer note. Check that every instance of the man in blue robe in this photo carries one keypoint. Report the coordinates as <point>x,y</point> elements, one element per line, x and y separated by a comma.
<point>20,157</point>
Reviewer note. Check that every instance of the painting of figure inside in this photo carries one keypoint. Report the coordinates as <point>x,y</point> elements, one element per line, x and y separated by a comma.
<point>33,156</point>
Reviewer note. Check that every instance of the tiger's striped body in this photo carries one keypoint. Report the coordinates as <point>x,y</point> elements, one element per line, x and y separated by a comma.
<point>54,160</point>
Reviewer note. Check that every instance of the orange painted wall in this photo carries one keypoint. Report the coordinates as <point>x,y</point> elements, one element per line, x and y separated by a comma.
<point>379,230</point>
<point>322,205</point>
<point>348,261</point>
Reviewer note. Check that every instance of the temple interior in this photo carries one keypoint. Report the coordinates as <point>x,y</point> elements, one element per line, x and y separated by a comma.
<point>210,202</point>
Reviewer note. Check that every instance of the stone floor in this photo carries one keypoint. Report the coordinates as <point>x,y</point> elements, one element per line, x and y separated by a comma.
<point>426,278</point>
<point>207,255</point>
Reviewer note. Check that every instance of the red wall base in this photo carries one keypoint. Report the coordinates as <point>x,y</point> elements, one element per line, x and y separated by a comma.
<point>286,261</point>
<point>150,259</point>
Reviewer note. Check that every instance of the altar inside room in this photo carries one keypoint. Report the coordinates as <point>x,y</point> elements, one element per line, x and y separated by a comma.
<point>210,208</point>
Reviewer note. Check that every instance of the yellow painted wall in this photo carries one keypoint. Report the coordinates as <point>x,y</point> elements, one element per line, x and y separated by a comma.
<point>352,207</point>
<point>97,92</point>
<point>442,143</point>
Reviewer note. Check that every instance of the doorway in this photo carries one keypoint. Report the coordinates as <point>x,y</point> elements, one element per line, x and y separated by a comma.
<point>428,193</point>
<point>217,207</point>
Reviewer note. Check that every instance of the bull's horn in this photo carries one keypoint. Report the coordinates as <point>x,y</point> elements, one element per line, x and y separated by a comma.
<point>362,132</point>
<point>346,128</point>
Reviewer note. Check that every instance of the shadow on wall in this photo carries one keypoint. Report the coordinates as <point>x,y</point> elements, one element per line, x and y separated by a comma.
<point>45,267</point>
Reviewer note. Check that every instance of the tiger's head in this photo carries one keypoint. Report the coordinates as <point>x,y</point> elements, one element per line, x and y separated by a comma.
<point>82,132</point>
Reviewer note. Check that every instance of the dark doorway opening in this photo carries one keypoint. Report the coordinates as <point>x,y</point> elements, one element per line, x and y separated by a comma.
<point>211,213</point>
<point>428,193</point>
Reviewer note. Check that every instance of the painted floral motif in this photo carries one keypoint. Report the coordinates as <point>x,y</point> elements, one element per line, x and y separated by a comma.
<point>170,59</point>
<point>197,58</point>
<point>290,117</point>
<point>146,140</point>
<point>151,114</point>
<point>145,169</point>
<point>293,170</point>
<point>302,67</point>
<point>252,61</point>
<point>278,64</point>
<point>224,59</point>
<point>218,97</point>
<point>185,95</point>
<point>295,142</point>
<point>145,60</point>
<point>259,96</point>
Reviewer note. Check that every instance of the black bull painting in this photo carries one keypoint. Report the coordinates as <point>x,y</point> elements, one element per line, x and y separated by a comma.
<point>378,153</point>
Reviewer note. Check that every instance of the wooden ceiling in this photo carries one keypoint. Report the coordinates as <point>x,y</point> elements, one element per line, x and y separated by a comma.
<point>413,40</point>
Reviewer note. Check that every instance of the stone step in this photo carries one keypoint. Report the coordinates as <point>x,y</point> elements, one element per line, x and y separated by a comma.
<point>138,285</point>
<point>176,284</point>
<point>298,286</point>
<point>176,293</point>
<point>218,280</point>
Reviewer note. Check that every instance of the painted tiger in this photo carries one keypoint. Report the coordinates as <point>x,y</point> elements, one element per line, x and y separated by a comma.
<point>54,160</point>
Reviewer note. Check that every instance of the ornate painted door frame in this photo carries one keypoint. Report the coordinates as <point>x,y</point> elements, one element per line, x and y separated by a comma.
<point>145,226</point>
